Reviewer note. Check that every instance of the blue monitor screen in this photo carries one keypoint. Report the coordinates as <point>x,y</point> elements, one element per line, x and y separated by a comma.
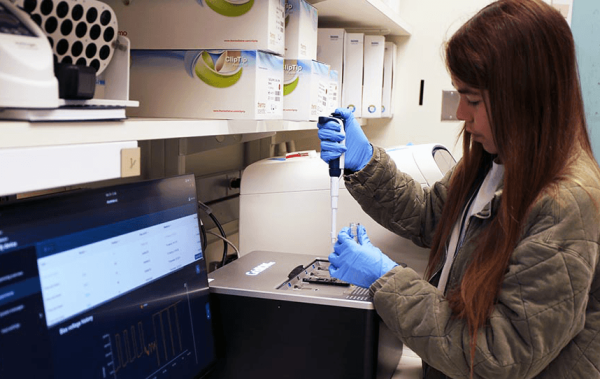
<point>105,283</point>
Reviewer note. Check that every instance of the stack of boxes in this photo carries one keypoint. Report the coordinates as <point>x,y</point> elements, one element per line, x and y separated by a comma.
<point>249,59</point>
<point>210,59</point>
<point>306,81</point>
<point>367,63</point>
<point>330,50</point>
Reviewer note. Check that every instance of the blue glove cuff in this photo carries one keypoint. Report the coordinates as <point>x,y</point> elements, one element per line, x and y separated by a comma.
<point>364,157</point>
<point>386,265</point>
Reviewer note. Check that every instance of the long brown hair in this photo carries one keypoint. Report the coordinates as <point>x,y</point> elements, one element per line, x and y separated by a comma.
<point>522,52</point>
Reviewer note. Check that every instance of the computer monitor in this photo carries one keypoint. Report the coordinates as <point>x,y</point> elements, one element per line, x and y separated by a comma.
<point>105,283</point>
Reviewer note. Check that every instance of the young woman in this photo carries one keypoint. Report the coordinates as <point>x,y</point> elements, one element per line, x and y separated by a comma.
<point>512,288</point>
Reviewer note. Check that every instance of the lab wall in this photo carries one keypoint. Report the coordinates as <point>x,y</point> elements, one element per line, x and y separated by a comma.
<point>417,117</point>
<point>584,24</point>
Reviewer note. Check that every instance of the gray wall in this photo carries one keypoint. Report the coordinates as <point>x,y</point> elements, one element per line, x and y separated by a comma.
<point>585,25</point>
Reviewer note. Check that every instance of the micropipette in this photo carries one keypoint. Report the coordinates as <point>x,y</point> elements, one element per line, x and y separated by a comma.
<point>336,167</point>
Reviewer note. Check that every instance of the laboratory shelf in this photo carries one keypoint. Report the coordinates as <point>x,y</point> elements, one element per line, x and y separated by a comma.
<point>361,14</point>
<point>17,134</point>
<point>373,15</point>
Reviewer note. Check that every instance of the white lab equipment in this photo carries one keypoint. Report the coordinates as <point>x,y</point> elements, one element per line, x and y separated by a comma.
<point>74,66</point>
<point>26,68</point>
<point>285,204</point>
<point>80,32</point>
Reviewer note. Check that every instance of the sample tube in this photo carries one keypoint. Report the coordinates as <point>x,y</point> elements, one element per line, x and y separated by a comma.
<point>354,231</point>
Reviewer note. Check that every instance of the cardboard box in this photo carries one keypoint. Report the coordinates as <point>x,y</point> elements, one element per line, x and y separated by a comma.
<point>389,64</point>
<point>208,24</point>
<point>352,78</point>
<point>215,84</point>
<point>373,76</point>
<point>333,94</point>
<point>305,89</point>
<point>330,50</point>
<point>301,21</point>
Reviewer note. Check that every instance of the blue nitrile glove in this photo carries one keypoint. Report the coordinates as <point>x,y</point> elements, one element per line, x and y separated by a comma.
<point>358,149</point>
<point>358,263</point>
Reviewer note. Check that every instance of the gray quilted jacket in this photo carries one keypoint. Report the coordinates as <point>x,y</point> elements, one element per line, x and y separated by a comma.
<point>546,323</point>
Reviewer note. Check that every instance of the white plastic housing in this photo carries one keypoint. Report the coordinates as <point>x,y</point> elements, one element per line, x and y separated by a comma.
<point>285,205</point>
<point>26,67</point>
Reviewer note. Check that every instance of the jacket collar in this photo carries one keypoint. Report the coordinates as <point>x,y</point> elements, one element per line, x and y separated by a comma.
<point>491,208</point>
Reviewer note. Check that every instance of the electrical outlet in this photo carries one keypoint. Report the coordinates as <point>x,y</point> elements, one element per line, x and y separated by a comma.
<point>215,187</point>
<point>450,101</point>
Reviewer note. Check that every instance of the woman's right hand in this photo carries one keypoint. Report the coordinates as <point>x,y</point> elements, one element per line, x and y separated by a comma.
<point>358,149</point>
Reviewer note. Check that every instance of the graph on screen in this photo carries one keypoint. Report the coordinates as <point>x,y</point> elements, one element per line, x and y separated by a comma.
<point>153,343</point>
